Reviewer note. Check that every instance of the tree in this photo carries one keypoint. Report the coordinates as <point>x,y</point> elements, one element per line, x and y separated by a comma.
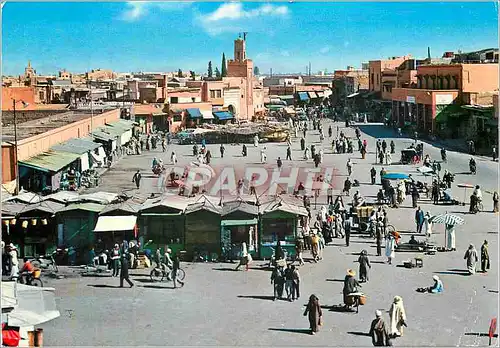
<point>256,71</point>
<point>223,66</point>
<point>217,73</point>
<point>210,71</point>
<point>192,74</point>
<point>179,73</point>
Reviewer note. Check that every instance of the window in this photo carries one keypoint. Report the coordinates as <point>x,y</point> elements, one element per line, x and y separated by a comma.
<point>373,78</point>
<point>212,94</point>
<point>193,100</point>
<point>378,79</point>
<point>218,93</point>
<point>41,94</point>
<point>174,100</point>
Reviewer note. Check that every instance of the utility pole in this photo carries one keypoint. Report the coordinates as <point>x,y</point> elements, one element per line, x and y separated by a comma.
<point>271,72</point>
<point>309,68</point>
<point>91,108</point>
<point>15,147</point>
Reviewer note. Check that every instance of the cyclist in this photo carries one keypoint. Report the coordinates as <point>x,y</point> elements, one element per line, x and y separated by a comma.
<point>26,273</point>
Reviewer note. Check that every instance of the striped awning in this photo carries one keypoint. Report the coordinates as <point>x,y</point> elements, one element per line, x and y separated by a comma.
<point>447,219</point>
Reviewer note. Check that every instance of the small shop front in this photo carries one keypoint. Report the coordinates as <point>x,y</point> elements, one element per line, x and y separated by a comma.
<point>235,232</point>
<point>115,229</point>
<point>278,226</point>
<point>240,224</point>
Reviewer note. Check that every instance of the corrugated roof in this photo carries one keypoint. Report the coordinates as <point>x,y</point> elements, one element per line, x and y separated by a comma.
<point>12,209</point>
<point>24,197</point>
<point>99,134</point>
<point>77,145</point>
<point>93,207</point>
<point>52,161</point>
<point>175,202</point>
<point>128,206</point>
<point>96,197</point>
<point>281,205</point>
<point>44,206</point>
<point>231,207</point>
<point>123,124</point>
<point>206,205</point>
<point>61,196</point>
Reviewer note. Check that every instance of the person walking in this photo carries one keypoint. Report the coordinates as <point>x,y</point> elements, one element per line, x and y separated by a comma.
<point>450,240</point>
<point>14,261</point>
<point>495,202</point>
<point>393,147</point>
<point>277,279</point>
<point>379,332</point>
<point>390,247</point>
<point>176,265</point>
<point>279,163</point>
<point>288,273</point>
<point>364,265</point>
<point>245,258</point>
<point>115,260</point>
<point>347,230</point>
<point>378,236</point>
<point>124,270</point>
<point>299,249</point>
<point>173,158</point>
<point>419,219</point>
<point>289,153</point>
<point>263,156</point>
<point>314,310</point>
<point>244,151</point>
<point>296,283</point>
<point>222,150</point>
<point>302,144</point>
<point>471,257</point>
<point>373,174</point>
<point>414,196</point>
<point>494,153</point>
<point>330,131</point>
<point>485,257</point>
<point>397,315</point>
<point>427,225</point>
<point>349,167</point>
<point>137,178</point>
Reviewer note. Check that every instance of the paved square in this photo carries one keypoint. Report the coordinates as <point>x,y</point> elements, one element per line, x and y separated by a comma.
<point>221,307</point>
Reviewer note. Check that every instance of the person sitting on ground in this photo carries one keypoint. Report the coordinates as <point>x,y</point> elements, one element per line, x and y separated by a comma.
<point>437,287</point>
<point>412,240</point>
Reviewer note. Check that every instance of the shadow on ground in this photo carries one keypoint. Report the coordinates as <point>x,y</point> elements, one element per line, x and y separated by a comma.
<point>257,297</point>
<point>358,333</point>
<point>301,331</point>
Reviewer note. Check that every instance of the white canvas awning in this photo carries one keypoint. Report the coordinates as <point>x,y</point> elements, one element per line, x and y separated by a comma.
<point>115,223</point>
<point>31,305</point>
<point>207,115</point>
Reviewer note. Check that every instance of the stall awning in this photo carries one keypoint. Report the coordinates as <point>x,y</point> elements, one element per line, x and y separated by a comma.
<point>312,95</point>
<point>77,145</point>
<point>223,115</point>
<point>303,96</point>
<point>207,115</point>
<point>352,95</point>
<point>50,161</point>
<point>194,112</point>
<point>238,222</point>
<point>115,223</point>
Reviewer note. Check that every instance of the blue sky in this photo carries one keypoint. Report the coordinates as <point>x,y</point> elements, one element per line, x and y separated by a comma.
<point>284,36</point>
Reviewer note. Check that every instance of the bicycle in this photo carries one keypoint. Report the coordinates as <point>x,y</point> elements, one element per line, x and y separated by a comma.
<point>30,278</point>
<point>157,274</point>
<point>46,262</point>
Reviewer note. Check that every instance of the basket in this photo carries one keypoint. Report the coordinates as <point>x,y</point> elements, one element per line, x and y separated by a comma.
<point>37,273</point>
<point>362,300</point>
